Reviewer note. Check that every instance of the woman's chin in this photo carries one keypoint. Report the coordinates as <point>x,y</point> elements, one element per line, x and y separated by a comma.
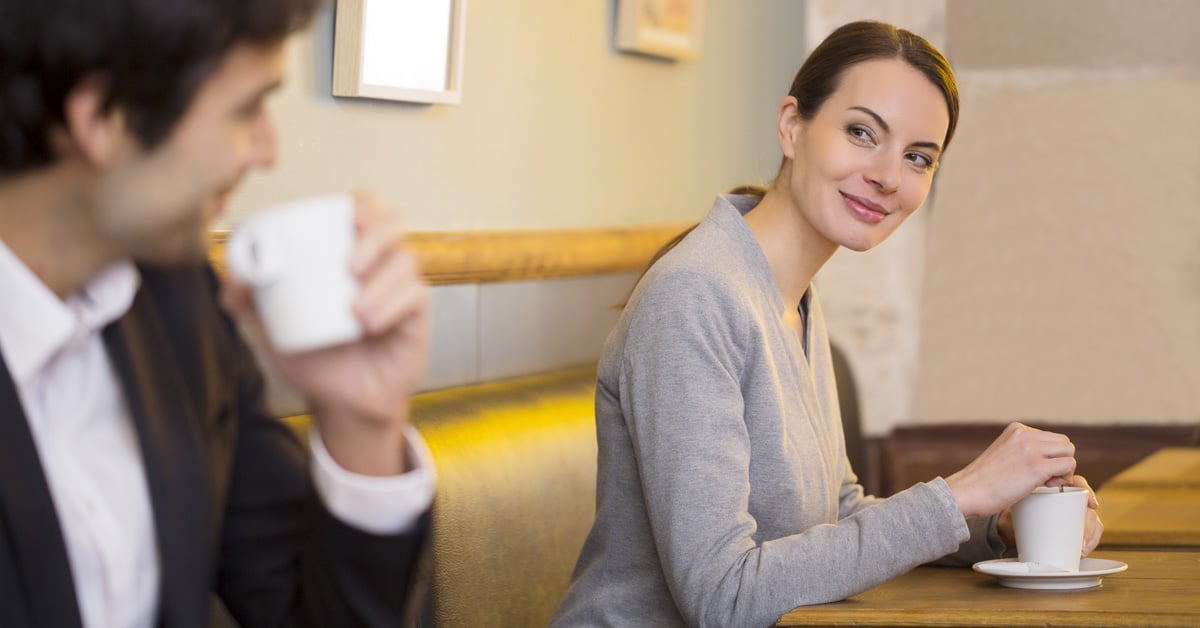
<point>864,239</point>
<point>860,243</point>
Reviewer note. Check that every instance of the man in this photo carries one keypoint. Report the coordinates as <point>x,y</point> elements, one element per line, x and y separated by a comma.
<point>139,473</point>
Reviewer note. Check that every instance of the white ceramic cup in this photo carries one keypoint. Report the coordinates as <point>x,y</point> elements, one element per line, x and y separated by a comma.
<point>1048,525</point>
<point>296,259</point>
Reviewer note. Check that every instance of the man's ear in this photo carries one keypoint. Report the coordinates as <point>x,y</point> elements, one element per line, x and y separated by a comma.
<point>93,134</point>
<point>789,126</point>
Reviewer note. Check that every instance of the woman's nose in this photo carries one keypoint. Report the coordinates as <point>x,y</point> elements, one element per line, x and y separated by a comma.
<point>885,174</point>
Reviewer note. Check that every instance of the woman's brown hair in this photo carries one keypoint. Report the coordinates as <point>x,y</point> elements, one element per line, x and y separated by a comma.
<point>857,42</point>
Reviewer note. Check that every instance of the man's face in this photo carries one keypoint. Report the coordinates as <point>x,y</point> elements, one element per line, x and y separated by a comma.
<point>155,206</point>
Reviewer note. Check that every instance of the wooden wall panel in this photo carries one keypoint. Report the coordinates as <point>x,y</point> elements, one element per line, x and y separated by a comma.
<point>492,256</point>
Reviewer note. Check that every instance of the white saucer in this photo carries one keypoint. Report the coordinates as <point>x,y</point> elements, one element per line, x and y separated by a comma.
<point>1088,576</point>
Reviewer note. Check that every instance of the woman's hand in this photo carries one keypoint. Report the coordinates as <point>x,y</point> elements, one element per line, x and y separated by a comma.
<point>1004,527</point>
<point>1093,528</point>
<point>1019,460</point>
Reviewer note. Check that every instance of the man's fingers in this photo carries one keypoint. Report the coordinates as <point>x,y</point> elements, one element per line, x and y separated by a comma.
<point>380,232</point>
<point>386,304</point>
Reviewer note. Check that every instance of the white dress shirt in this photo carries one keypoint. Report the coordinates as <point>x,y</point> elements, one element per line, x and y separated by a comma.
<point>92,460</point>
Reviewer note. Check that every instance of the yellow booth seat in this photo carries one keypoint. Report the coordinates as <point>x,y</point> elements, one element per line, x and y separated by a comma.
<point>516,465</point>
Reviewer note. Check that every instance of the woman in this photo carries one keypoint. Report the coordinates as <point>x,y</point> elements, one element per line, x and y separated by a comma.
<point>724,496</point>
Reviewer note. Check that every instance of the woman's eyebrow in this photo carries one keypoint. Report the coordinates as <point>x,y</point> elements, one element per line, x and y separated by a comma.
<point>887,129</point>
<point>878,118</point>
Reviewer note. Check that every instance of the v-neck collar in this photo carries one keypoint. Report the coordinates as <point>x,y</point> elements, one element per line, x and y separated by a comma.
<point>729,211</point>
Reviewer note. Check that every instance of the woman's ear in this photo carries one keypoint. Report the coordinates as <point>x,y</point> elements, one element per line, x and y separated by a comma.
<point>789,126</point>
<point>92,133</point>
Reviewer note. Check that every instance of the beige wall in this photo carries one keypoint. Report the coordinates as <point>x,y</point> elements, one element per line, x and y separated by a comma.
<point>556,129</point>
<point>1055,272</point>
<point>1063,268</point>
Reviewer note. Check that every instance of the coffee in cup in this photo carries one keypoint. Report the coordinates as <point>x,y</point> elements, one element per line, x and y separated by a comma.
<point>296,259</point>
<point>1048,525</point>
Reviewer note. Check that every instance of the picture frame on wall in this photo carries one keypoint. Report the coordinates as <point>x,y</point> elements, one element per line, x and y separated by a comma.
<point>406,50</point>
<point>669,29</point>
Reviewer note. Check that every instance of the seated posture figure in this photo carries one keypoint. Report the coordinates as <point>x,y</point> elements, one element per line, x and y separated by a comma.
<point>724,496</point>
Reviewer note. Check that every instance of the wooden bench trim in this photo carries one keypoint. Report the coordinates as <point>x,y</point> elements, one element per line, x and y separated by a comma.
<point>462,257</point>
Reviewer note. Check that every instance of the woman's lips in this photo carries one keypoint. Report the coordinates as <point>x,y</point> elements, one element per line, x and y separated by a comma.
<point>864,209</point>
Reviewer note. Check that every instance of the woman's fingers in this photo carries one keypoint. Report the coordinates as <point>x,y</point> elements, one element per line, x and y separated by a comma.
<point>1019,460</point>
<point>1081,482</point>
<point>1093,529</point>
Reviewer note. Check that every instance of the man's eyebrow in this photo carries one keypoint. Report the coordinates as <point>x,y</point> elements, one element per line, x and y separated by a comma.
<point>262,93</point>
<point>271,87</point>
<point>887,129</point>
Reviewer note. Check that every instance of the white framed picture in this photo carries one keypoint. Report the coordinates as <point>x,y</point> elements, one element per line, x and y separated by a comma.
<point>409,50</point>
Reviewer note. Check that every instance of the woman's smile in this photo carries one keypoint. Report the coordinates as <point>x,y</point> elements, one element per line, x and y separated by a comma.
<point>864,209</point>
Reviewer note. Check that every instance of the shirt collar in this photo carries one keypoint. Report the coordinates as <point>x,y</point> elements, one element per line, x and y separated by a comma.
<point>35,324</point>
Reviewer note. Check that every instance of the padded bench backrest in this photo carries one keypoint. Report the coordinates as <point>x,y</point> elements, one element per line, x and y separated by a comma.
<point>516,463</point>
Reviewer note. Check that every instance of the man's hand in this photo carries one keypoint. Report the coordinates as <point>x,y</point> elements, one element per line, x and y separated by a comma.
<point>360,391</point>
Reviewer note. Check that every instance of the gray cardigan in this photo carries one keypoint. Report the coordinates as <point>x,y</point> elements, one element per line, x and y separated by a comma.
<point>724,495</point>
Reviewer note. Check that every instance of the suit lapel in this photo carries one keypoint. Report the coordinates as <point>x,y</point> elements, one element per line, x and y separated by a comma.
<point>28,512</point>
<point>166,425</point>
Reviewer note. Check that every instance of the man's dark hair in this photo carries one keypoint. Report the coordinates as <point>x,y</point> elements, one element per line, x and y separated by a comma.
<point>152,56</point>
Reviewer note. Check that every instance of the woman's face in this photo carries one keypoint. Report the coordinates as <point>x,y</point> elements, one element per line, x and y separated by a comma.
<point>865,162</point>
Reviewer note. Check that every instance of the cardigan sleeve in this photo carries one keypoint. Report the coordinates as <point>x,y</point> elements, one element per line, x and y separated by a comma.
<point>983,542</point>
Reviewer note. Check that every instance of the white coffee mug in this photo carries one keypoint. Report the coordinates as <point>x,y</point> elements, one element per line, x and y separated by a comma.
<point>296,259</point>
<point>1048,525</point>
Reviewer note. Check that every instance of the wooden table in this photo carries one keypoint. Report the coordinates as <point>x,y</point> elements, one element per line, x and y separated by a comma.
<point>1164,518</point>
<point>1173,467</point>
<point>1158,589</point>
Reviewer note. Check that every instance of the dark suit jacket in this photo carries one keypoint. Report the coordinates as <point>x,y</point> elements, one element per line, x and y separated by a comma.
<point>235,510</point>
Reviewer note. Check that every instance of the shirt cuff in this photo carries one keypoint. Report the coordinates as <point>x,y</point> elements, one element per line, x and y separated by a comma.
<point>379,505</point>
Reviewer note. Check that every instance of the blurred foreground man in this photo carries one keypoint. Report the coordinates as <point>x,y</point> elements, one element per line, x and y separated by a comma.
<point>139,471</point>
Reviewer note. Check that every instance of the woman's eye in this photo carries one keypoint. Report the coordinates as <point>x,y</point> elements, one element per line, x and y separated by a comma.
<point>859,133</point>
<point>920,160</point>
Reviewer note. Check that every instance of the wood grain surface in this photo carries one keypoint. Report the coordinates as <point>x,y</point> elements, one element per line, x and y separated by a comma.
<point>1158,589</point>
<point>1177,467</point>
<point>1150,517</point>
